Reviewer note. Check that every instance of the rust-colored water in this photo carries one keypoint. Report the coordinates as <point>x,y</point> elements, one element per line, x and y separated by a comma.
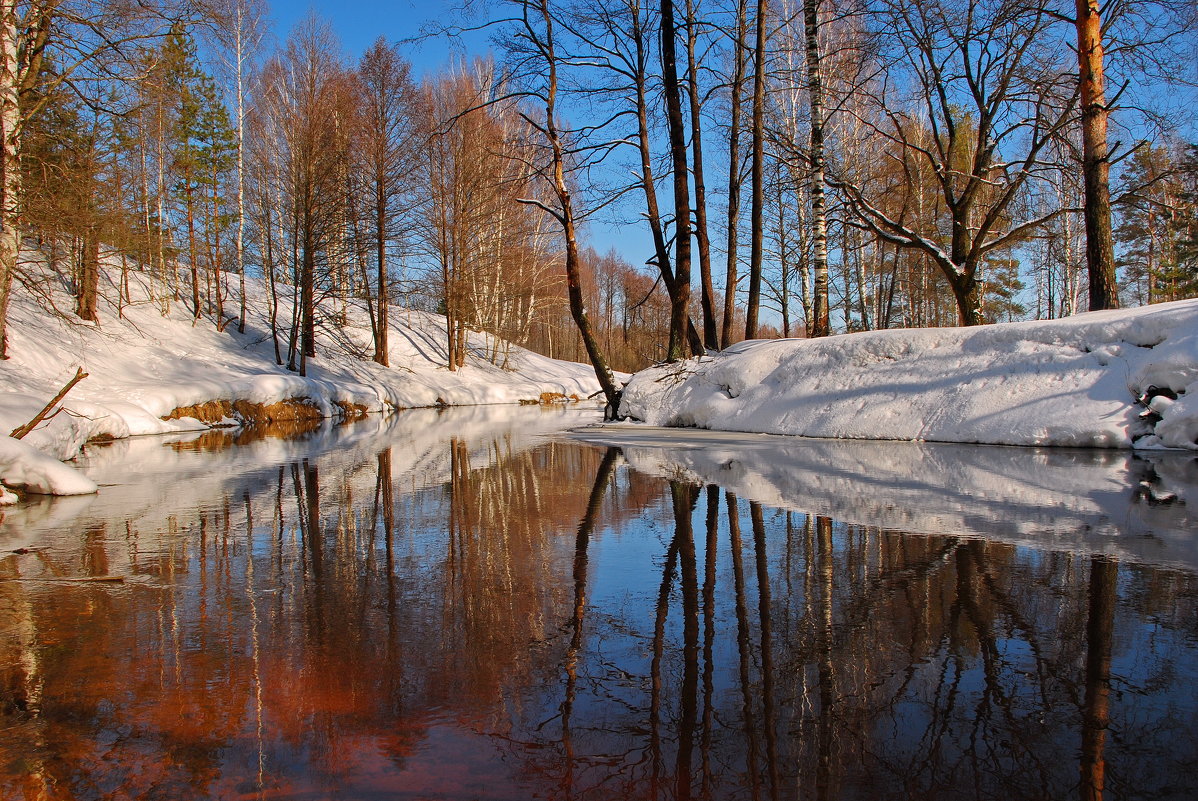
<point>454,608</point>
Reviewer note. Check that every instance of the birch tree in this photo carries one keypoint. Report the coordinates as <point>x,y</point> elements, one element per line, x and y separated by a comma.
<point>239,30</point>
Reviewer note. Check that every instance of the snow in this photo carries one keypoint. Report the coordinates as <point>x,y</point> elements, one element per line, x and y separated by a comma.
<point>142,365</point>
<point>1113,379</point>
<point>1119,379</point>
<point>25,467</point>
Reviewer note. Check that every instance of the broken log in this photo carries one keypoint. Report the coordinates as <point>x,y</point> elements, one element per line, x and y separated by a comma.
<point>21,431</point>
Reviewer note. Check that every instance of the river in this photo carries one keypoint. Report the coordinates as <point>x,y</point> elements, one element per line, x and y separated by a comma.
<point>479,603</point>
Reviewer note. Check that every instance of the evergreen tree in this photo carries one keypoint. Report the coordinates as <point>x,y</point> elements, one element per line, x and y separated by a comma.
<point>204,154</point>
<point>1183,278</point>
<point>1155,219</point>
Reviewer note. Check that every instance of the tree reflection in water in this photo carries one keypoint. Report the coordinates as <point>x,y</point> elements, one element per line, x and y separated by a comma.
<point>449,615</point>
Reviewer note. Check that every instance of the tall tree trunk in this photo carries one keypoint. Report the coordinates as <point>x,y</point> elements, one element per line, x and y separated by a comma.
<point>783,265</point>
<point>10,160</point>
<point>757,179</point>
<point>172,280</point>
<point>680,301</point>
<point>711,339</point>
<point>820,317</point>
<point>308,292</point>
<point>863,300</point>
<point>968,294</point>
<point>192,250</point>
<point>738,79</point>
<point>380,247</point>
<point>293,335</point>
<point>269,268</point>
<point>89,275</point>
<point>661,254</point>
<point>461,346</point>
<point>1100,249</point>
<point>239,59</point>
<point>213,235</point>
<point>565,215</point>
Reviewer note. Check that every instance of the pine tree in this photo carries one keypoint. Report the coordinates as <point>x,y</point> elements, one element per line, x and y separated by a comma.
<point>1153,219</point>
<point>204,154</point>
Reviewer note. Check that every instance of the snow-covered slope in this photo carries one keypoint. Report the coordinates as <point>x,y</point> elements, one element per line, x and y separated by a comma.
<point>143,365</point>
<point>1114,379</point>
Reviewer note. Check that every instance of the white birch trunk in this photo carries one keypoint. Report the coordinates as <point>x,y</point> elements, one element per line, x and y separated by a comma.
<point>10,160</point>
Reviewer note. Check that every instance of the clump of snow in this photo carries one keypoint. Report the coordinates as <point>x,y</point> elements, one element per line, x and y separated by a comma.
<point>142,364</point>
<point>1115,379</point>
<point>25,467</point>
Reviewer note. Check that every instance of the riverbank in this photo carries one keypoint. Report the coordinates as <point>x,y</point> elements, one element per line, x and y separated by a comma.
<point>151,372</point>
<point>1116,379</point>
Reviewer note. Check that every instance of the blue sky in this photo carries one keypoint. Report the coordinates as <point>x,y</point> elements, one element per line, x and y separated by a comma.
<point>359,22</point>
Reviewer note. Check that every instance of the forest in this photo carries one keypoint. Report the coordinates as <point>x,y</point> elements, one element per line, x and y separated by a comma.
<point>776,168</point>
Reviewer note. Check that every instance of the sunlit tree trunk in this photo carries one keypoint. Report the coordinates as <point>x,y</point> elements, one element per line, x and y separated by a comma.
<point>10,159</point>
<point>89,274</point>
<point>564,213</point>
<point>820,317</point>
<point>1100,248</point>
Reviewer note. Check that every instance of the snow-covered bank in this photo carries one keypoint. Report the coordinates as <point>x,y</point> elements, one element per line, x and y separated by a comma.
<point>1115,379</point>
<point>25,467</point>
<point>143,365</point>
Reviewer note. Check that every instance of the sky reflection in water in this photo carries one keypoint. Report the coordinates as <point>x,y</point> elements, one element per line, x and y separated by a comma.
<point>466,604</point>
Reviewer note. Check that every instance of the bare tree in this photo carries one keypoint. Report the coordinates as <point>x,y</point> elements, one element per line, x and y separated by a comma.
<point>387,141</point>
<point>304,93</point>
<point>1149,45</point>
<point>739,49</point>
<point>988,97</point>
<point>1100,246</point>
<point>539,46</point>
<point>616,37</point>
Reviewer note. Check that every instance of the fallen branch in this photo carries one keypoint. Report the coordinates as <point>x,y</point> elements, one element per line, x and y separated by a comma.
<point>21,431</point>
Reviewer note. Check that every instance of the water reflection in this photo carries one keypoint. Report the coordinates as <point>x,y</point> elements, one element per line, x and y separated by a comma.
<point>465,606</point>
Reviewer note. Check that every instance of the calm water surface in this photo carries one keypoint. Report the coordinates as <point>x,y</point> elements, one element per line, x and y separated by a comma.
<point>470,604</point>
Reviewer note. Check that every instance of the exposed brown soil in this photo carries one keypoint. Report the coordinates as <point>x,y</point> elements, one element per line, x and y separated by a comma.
<point>215,411</point>
<point>352,412</point>
<point>548,398</point>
